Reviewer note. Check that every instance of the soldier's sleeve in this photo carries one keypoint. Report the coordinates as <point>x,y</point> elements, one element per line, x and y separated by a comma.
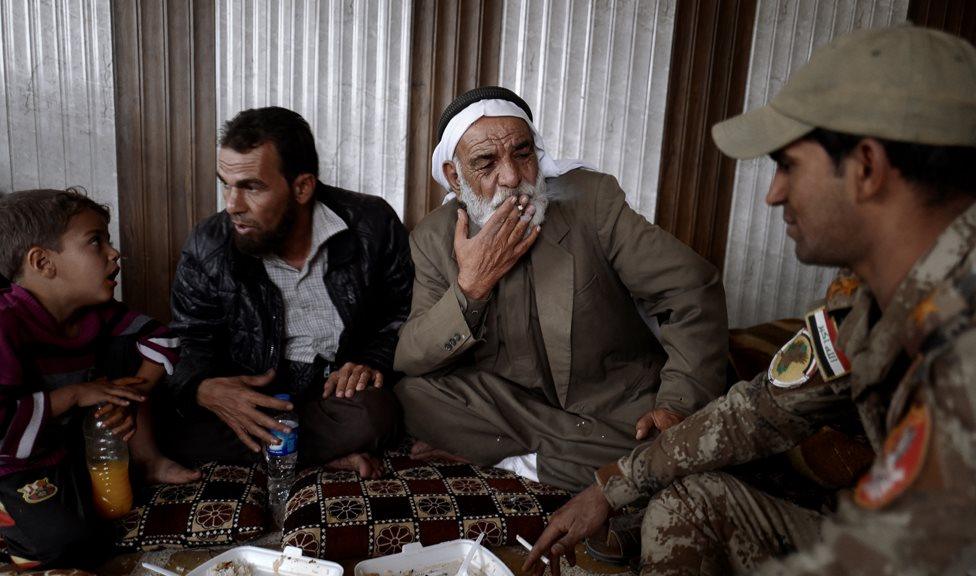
<point>913,512</point>
<point>754,419</point>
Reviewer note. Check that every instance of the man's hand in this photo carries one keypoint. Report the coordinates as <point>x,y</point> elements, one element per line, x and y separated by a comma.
<point>351,378</point>
<point>235,401</point>
<point>580,517</point>
<point>660,418</point>
<point>486,258</point>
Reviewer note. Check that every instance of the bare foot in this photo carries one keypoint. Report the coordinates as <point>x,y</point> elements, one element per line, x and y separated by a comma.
<point>424,451</point>
<point>366,465</point>
<point>162,470</point>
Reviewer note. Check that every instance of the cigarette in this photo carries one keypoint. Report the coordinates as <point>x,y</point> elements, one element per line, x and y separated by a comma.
<point>525,544</point>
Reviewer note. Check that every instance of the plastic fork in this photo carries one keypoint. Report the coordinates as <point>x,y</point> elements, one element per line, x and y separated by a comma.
<point>463,570</point>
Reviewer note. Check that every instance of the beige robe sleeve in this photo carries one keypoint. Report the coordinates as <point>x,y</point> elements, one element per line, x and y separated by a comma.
<point>673,283</point>
<point>436,333</point>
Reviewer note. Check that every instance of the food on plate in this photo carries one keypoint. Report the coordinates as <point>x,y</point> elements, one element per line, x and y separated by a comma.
<point>230,568</point>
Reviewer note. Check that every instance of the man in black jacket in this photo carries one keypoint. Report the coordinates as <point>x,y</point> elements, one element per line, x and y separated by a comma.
<point>298,288</point>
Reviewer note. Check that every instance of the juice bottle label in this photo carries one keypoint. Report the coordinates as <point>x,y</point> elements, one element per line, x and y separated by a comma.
<point>287,443</point>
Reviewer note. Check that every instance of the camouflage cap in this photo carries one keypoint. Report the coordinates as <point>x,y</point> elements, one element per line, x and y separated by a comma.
<point>904,83</point>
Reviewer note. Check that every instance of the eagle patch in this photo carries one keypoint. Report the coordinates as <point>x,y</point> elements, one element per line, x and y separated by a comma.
<point>794,364</point>
<point>900,462</point>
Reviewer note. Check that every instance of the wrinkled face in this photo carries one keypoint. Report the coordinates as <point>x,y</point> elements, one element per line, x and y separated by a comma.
<point>87,265</point>
<point>260,202</point>
<point>494,160</point>
<point>817,204</point>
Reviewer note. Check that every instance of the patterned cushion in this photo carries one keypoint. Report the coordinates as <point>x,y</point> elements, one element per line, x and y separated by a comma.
<point>339,515</point>
<point>227,505</point>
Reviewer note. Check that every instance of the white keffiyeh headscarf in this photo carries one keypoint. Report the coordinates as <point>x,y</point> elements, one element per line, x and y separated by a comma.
<point>459,124</point>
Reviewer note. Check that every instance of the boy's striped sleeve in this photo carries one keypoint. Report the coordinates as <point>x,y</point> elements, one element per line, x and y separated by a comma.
<point>154,341</point>
<point>23,415</point>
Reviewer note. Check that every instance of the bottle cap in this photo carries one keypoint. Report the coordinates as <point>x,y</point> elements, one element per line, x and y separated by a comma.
<point>285,397</point>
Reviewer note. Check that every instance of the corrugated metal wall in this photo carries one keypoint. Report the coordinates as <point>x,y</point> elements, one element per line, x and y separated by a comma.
<point>763,279</point>
<point>343,64</point>
<point>57,107</point>
<point>595,74</point>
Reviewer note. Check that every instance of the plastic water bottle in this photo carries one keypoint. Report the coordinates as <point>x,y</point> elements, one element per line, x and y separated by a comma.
<point>108,465</point>
<point>281,458</point>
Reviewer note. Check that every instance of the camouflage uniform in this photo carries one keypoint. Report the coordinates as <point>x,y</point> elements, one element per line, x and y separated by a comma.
<point>911,387</point>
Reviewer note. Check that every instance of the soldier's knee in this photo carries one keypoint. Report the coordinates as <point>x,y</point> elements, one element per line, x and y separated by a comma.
<point>684,500</point>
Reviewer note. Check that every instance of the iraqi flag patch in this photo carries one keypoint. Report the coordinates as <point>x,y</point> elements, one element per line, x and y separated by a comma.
<point>899,464</point>
<point>823,332</point>
<point>794,364</point>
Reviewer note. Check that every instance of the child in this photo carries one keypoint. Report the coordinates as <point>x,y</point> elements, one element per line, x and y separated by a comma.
<point>58,323</point>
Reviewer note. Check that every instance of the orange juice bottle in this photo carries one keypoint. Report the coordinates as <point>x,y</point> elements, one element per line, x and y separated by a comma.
<point>108,466</point>
<point>111,490</point>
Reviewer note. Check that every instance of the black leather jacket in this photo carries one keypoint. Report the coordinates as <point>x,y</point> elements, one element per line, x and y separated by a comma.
<point>230,316</point>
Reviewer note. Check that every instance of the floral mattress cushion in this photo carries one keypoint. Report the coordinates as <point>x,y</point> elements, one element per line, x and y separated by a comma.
<point>229,504</point>
<point>338,515</point>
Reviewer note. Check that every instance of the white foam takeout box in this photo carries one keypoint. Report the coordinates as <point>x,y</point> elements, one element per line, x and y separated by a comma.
<point>262,562</point>
<point>444,558</point>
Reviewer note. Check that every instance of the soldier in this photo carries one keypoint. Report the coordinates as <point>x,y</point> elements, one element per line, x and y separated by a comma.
<point>875,143</point>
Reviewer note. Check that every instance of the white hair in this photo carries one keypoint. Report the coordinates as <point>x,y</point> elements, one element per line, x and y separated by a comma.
<point>481,208</point>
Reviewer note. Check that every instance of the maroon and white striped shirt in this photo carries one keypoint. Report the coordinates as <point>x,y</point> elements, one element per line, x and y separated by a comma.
<point>36,357</point>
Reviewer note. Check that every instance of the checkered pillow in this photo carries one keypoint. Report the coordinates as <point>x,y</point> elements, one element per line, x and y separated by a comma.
<point>339,515</point>
<point>227,505</point>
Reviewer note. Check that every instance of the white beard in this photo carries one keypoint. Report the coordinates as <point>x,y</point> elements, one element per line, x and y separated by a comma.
<point>480,209</point>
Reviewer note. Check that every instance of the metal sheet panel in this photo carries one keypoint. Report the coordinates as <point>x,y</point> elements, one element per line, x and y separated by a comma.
<point>763,280</point>
<point>342,64</point>
<point>595,74</point>
<point>57,106</point>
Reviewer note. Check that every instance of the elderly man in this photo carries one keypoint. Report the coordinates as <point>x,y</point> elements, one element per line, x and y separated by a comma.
<point>297,288</point>
<point>525,344</point>
<point>875,142</point>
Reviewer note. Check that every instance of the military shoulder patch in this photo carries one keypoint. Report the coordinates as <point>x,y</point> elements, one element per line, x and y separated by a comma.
<point>794,364</point>
<point>843,285</point>
<point>823,332</point>
<point>900,462</point>
<point>38,491</point>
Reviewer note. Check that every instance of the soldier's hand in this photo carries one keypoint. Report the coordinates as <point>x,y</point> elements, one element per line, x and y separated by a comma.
<point>235,401</point>
<point>494,250</point>
<point>351,378</point>
<point>577,519</point>
<point>660,418</point>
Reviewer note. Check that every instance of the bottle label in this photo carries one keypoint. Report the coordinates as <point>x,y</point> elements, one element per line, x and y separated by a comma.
<point>287,443</point>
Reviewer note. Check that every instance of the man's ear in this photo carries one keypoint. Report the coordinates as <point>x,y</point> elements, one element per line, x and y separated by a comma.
<point>871,168</point>
<point>304,187</point>
<point>451,173</point>
<point>38,262</point>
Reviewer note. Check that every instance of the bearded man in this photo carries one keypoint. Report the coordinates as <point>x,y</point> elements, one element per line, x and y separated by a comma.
<point>525,346</point>
<point>298,288</point>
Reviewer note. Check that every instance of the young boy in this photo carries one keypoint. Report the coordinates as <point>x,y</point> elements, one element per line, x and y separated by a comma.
<point>61,331</point>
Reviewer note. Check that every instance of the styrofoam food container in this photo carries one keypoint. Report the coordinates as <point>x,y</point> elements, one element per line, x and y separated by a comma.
<point>442,558</point>
<point>262,561</point>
